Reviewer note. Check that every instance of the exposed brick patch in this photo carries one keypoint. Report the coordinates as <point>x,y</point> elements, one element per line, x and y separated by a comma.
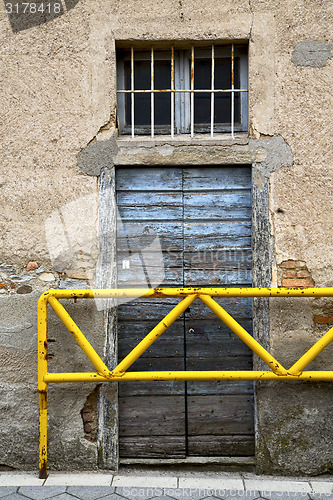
<point>89,416</point>
<point>32,266</point>
<point>289,274</point>
<point>297,282</point>
<point>323,320</point>
<point>303,274</point>
<point>288,264</point>
<point>294,273</point>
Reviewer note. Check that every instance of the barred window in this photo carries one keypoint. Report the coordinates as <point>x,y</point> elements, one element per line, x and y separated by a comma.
<point>199,89</point>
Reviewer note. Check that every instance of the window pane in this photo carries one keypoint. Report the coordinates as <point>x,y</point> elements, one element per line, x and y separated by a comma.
<point>222,108</point>
<point>237,108</point>
<point>201,108</point>
<point>202,73</point>
<point>162,74</point>
<point>162,109</point>
<point>162,81</point>
<point>141,101</point>
<point>141,74</point>
<point>142,81</point>
<point>223,73</point>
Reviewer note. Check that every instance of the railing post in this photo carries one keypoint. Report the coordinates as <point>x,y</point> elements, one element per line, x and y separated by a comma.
<point>42,385</point>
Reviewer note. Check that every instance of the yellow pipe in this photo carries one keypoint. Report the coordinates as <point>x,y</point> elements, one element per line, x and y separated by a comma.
<point>78,336</point>
<point>243,335</point>
<point>181,292</point>
<point>42,385</point>
<point>153,335</point>
<point>43,435</point>
<point>312,353</point>
<point>186,375</point>
<point>42,341</point>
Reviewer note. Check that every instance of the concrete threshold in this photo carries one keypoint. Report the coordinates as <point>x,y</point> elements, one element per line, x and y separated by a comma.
<point>189,461</point>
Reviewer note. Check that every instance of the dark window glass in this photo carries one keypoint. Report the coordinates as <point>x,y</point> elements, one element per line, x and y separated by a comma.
<point>162,81</point>
<point>222,101</point>
<point>142,101</point>
<point>202,80</point>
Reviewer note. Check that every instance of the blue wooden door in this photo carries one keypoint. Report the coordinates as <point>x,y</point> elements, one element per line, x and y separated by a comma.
<point>182,226</point>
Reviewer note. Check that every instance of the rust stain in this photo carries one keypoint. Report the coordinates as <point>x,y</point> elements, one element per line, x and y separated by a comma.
<point>43,471</point>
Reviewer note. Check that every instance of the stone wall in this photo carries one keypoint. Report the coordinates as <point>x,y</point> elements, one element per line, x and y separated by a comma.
<point>58,100</point>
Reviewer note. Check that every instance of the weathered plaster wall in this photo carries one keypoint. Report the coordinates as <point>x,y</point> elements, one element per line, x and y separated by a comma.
<point>295,421</point>
<point>58,95</point>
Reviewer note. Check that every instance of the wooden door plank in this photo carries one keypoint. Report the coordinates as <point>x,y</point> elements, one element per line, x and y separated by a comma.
<point>218,415</point>
<point>220,387</point>
<point>238,307</point>
<point>225,205</point>
<point>216,178</point>
<point>145,205</point>
<point>162,388</point>
<point>227,259</point>
<point>152,258</point>
<point>136,236</point>
<point>154,309</point>
<point>214,339</point>
<point>159,447</point>
<point>138,276</point>
<point>149,179</point>
<point>204,236</point>
<point>152,416</point>
<point>218,277</point>
<point>225,446</point>
<point>220,363</point>
<point>169,344</point>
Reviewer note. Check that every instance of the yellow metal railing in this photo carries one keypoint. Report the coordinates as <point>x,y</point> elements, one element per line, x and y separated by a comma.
<point>119,373</point>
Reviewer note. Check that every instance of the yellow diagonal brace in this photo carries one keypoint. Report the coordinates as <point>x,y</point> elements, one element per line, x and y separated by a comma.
<point>78,336</point>
<point>243,335</point>
<point>153,335</point>
<point>312,353</point>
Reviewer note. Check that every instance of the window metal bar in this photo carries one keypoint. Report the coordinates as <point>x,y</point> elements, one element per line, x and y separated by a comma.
<point>152,93</point>
<point>172,92</point>
<point>192,89</point>
<point>132,89</point>
<point>212,95</point>
<point>232,91</point>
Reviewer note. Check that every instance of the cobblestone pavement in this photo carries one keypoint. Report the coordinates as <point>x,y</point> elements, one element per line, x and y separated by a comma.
<point>19,486</point>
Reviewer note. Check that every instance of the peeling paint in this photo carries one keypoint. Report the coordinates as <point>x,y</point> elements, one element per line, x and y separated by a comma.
<point>312,53</point>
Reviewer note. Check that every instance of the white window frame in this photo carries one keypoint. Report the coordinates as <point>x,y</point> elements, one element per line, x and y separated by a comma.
<point>182,90</point>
